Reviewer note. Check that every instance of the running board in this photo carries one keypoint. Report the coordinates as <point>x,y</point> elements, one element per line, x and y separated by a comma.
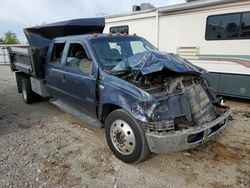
<point>81,116</point>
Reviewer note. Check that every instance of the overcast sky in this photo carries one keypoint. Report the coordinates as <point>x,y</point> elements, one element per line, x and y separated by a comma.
<point>18,14</point>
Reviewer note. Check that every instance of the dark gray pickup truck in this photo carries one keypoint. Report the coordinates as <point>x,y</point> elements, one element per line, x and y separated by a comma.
<point>147,101</point>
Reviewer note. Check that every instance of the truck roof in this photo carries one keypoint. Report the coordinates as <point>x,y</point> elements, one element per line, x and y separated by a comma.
<point>92,36</point>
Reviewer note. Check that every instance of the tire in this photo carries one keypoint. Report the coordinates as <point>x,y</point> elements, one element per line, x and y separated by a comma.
<point>125,137</point>
<point>29,96</point>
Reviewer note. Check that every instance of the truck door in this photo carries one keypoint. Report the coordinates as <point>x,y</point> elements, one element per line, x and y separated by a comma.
<point>54,68</point>
<point>79,82</point>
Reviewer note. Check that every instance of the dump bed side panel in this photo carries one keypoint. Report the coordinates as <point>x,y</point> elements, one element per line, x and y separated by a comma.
<point>21,59</point>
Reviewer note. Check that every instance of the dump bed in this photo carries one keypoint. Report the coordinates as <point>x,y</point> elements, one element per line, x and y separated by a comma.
<point>21,59</point>
<point>32,59</point>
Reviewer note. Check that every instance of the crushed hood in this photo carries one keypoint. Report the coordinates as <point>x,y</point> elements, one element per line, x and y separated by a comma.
<point>155,61</point>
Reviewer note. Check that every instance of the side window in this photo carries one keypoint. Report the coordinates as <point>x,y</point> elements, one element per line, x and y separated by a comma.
<point>56,55</point>
<point>119,29</point>
<point>245,25</point>
<point>228,26</point>
<point>78,59</point>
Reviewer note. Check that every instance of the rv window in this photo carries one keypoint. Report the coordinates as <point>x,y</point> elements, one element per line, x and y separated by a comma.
<point>114,30</point>
<point>228,26</point>
<point>223,27</point>
<point>245,25</point>
<point>119,29</point>
<point>56,55</point>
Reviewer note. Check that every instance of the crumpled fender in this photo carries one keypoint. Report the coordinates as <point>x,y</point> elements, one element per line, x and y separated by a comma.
<point>114,90</point>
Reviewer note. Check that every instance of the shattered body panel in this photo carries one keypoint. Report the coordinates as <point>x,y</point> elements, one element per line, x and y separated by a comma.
<point>168,97</point>
<point>113,90</point>
<point>187,138</point>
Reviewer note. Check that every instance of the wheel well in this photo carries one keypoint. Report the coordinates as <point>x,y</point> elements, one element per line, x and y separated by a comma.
<point>107,109</point>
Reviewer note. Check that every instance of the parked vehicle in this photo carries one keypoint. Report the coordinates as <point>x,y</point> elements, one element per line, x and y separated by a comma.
<point>146,100</point>
<point>212,34</point>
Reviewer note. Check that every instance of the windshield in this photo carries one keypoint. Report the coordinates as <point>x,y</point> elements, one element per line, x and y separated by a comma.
<point>111,50</point>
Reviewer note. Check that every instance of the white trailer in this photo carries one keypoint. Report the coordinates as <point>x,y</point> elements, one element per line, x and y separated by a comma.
<point>213,34</point>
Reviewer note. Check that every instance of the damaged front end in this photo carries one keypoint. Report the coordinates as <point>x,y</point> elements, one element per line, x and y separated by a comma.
<point>183,112</point>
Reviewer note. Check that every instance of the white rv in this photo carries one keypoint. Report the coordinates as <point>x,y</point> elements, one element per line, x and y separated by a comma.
<point>213,34</point>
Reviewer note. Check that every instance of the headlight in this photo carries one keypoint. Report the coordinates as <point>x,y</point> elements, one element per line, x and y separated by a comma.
<point>156,116</point>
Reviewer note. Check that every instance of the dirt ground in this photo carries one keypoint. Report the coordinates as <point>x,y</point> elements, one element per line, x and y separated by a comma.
<point>40,146</point>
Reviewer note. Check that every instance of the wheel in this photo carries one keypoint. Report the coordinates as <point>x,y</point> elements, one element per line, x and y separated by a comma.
<point>125,137</point>
<point>29,96</point>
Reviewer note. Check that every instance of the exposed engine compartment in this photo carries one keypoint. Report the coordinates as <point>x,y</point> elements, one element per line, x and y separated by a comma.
<point>183,99</point>
<point>160,83</point>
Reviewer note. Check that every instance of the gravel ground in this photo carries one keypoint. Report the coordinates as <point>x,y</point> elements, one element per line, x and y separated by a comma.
<point>40,146</point>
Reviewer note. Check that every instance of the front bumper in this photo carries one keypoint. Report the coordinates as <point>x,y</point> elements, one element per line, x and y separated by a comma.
<point>188,138</point>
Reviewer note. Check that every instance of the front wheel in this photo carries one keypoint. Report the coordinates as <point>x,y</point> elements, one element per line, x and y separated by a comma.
<point>126,139</point>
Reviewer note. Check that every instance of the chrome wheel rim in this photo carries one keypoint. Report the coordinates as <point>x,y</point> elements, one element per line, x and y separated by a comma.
<point>122,137</point>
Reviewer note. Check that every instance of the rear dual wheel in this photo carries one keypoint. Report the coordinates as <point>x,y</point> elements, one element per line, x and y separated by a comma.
<point>29,96</point>
<point>125,137</point>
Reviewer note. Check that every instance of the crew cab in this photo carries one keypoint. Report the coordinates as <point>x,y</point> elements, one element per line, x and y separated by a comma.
<point>147,101</point>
